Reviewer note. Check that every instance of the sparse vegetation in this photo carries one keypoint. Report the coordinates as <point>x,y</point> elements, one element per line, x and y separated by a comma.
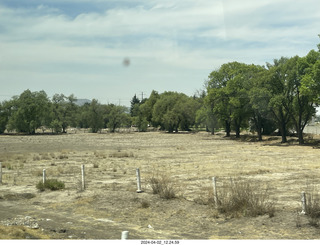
<point>51,184</point>
<point>145,204</point>
<point>313,208</point>
<point>120,154</point>
<point>181,166</point>
<point>163,186</point>
<point>244,198</point>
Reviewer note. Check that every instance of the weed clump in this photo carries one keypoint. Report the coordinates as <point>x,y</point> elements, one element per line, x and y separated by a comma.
<point>163,186</point>
<point>145,204</point>
<point>313,208</point>
<point>51,184</point>
<point>241,198</point>
<point>120,154</point>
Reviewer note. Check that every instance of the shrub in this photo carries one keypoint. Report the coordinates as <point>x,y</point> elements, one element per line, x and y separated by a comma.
<point>51,184</point>
<point>145,204</point>
<point>241,198</point>
<point>313,208</point>
<point>163,186</point>
<point>119,154</point>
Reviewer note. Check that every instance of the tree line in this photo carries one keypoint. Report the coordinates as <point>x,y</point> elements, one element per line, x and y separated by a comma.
<point>280,96</point>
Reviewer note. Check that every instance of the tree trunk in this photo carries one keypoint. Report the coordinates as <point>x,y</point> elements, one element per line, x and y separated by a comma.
<point>301,140</point>
<point>237,131</point>
<point>228,128</point>
<point>283,131</point>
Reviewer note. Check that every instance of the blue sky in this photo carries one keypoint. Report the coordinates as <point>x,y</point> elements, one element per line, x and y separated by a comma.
<point>78,47</point>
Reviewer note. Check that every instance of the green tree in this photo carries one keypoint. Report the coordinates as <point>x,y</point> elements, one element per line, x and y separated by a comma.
<point>64,111</point>
<point>227,91</point>
<point>174,111</point>
<point>95,116</point>
<point>56,126</point>
<point>139,119</point>
<point>117,117</point>
<point>134,103</point>
<point>304,86</point>
<point>146,109</point>
<point>4,115</point>
<point>259,98</point>
<point>280,102</point>
<point>29,111</point>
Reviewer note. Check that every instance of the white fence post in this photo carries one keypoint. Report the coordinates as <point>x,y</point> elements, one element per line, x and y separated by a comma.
<point>215,196</point>
<point>0,172</point>
<point>82,178</point>
<point>303,202</point>
<point>124,235</point>
<point>44,176</point>
<point>138,180</point>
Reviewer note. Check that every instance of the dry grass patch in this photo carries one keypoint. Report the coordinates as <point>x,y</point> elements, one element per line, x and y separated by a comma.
<point>164,186</point>
<point>313,206</point>
<point>20,232</point>
<point>120,154</point>
<point>245,198</point>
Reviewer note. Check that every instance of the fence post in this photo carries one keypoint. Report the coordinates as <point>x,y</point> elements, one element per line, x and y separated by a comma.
<point>0,172</point>
<point>43,176</point>
<point>215,196</point>
<point>82,178</point>
<point>138,180</point>
<point>303,202</point>
<point>124,235</point>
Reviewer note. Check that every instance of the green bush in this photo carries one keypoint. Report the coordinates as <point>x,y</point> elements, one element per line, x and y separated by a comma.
<point>51,184</point>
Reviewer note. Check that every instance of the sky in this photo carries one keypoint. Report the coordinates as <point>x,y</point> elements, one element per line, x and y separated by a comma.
<point>111,50</point>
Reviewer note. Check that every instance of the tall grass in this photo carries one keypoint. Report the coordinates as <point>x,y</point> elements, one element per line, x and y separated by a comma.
<point>163,186</point>
<point>313,207</point>
<point>245,198</point>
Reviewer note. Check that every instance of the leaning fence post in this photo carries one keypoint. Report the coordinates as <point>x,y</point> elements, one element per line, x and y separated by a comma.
<point>303,202</point>
<point>43,176</point>
<point>215,196</point>
<point>124,235</point>
<point>138,180</point>
<point>82,178</point>
<point>0,172</point>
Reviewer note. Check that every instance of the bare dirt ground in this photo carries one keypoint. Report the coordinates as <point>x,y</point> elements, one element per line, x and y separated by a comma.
<point>110,204</point>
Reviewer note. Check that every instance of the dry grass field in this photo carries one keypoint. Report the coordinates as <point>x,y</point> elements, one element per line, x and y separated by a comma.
<point>110,203</point>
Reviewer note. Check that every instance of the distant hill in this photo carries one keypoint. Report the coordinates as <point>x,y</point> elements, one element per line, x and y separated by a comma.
<point>81,102</point>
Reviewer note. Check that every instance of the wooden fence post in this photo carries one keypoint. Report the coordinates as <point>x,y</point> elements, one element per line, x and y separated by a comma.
<point>215,196</point>
<point>138,180</point>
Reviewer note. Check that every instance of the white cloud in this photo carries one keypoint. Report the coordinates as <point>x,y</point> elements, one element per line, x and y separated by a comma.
<point>174,43</point>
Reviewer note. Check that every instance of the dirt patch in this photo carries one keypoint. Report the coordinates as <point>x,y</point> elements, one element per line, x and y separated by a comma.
<point>110,203</point>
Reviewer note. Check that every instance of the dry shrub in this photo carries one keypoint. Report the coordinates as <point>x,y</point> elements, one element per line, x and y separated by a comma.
<point>45,156</point>
<point>119,154</point>
<point>36,158</point>
<point>63,156</point>
<point>163,186</point>
<point>21,232</point>
<point>7,166</point>
<point>244,198</point>
<point>313,208</point>
<point>145,204</point>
